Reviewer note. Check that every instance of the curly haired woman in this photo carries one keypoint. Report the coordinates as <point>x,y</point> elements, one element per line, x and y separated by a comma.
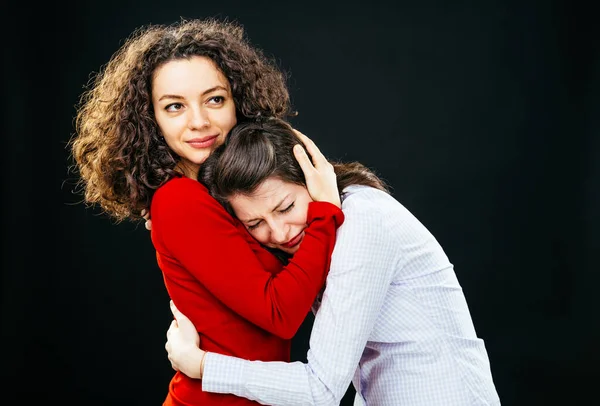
<point>164,102</point>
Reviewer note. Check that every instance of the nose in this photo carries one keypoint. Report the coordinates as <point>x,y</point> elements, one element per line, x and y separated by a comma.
<point>198,119</point>
<point>279,232</point>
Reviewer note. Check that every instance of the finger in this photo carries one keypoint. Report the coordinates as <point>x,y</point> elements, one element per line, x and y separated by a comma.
<point>174,310</point>
<point>303,137</point>
<point>308,143</point>
<point>174,325</point>
<point>311,147</point>
<point>148,225</point>
<point>305,164</point>
<point>171,328</point>
<point>300,135</point>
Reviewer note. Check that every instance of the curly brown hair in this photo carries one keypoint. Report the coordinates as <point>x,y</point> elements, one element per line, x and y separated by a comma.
<point>117,149</point>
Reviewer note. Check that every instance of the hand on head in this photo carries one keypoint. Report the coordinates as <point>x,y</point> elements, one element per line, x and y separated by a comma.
<point>320,177</point>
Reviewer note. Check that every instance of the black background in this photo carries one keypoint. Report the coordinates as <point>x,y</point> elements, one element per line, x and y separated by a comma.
<point>483,116</point>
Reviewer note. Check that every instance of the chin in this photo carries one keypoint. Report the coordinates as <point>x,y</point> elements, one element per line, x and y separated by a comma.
<point>290,251</point>
<point>200,160</point>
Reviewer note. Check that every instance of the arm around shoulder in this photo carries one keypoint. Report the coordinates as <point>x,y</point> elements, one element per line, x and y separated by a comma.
<point>193,228</point>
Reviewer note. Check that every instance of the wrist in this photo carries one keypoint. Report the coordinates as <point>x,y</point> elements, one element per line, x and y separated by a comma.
<point>190,363</point>
<point>202,358</point>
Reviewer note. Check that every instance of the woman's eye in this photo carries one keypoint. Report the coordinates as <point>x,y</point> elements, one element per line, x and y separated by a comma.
<point>290,207</point>
<point>174,107</point>
<point>216,99</point>
<point>253,226</point>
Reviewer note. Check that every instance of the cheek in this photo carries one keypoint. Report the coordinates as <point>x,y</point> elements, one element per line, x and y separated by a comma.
<point>170,136</point>
<point>302,214</point>
<point>261,236</point>
<point>301,219</point>
<point>227,119</point>
<point>296,220</point>
<point>160,123</point>
<point>168,128</point>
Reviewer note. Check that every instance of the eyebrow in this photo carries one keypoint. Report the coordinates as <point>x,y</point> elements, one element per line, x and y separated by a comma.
<point>274,209</point>
<point>207,91</point>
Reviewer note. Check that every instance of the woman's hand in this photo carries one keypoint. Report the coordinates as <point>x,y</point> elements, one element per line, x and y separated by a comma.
<point>148,223</point>
<point>183,345</point>
<point>320,177</point>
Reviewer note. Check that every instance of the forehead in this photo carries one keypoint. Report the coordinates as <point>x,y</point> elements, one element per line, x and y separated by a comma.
<point>182,75</point>
<point>264,199</point>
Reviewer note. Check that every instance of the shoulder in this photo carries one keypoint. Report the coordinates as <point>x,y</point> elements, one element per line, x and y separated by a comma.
<point>367,233</point>
<point>383,217</point>
<point>377,211</point>
<point>179,187</point>
<point>185,204</point>
<point>179,184</point>
<point>365,198</point>
<point>366,208</point>
<point>181,193</point>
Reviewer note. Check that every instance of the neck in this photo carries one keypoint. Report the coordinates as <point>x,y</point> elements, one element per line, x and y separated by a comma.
<point>188,170</point>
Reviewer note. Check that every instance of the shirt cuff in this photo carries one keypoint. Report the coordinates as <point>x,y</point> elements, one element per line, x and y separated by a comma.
<point>222,373</point>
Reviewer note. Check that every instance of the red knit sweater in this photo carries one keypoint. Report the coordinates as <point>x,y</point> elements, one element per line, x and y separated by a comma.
<point>238,295</point>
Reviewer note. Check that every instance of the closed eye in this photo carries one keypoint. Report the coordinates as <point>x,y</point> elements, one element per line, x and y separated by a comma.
<point>287,209</point>
<point>253,226</point>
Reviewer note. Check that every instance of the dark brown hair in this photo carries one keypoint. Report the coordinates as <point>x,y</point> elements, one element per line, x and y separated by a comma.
<point>117,149</point>
<point>256,151</point>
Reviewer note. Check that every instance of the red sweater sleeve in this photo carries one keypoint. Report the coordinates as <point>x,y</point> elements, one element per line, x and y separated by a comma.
<point>200,235</point>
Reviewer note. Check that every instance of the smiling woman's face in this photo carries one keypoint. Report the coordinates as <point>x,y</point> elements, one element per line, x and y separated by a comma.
<point>193,107</point>
<point>275,214</point>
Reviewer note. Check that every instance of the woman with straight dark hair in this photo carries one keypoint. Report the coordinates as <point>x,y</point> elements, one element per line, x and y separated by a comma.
<point>392,319</point>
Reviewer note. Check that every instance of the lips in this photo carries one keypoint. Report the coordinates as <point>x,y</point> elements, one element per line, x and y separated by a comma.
<point>294,241</point>
<point>203,142</point>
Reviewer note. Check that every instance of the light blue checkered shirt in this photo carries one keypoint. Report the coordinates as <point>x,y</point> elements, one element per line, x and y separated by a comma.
<point>393,320</point>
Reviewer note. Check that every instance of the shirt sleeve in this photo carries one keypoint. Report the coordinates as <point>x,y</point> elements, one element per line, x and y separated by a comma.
<point>199,234</point>
<point>362,268</point>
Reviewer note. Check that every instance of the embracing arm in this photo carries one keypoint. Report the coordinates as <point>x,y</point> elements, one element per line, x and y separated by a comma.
<point>197,234</point>
<point>200,236</point>
<point>361,272</point>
